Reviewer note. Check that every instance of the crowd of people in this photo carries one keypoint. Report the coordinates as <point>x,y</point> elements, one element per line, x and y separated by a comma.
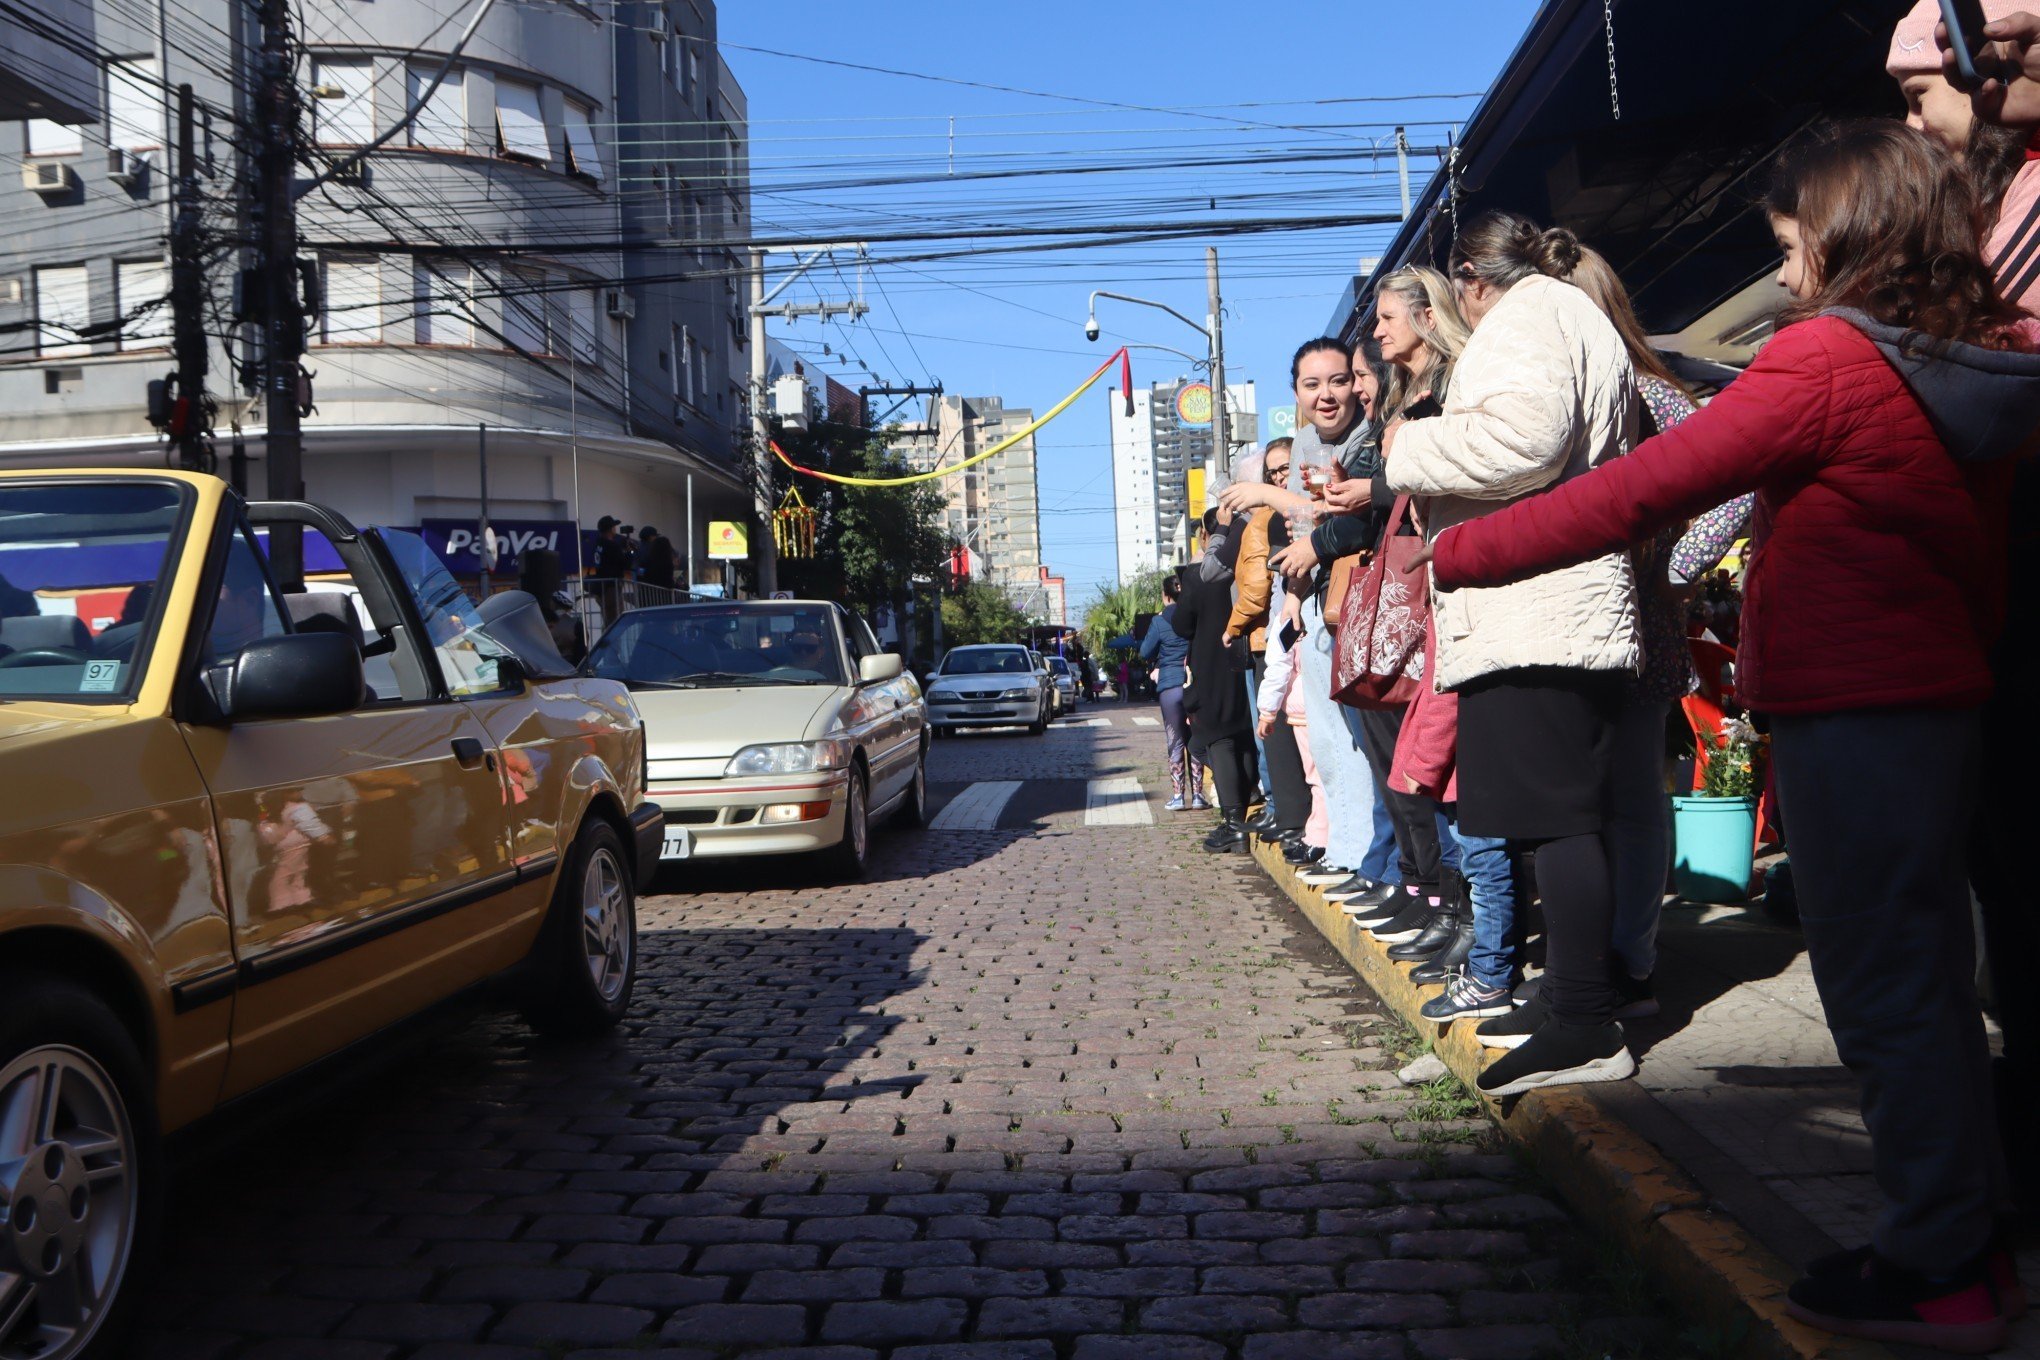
<point>1437,638</point>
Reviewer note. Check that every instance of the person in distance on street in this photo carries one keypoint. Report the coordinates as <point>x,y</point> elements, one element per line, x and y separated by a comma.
<point>1165,649</point>
<point>1221,721</point>
<point>1897,370</point>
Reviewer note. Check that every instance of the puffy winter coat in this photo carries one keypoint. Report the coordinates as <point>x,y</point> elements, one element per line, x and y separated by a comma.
<point>1251,580</point>
<point>1869,581</point>
<point>1543,393</point>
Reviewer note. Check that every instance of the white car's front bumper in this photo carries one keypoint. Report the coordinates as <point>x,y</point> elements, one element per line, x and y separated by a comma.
<point>727,816</point>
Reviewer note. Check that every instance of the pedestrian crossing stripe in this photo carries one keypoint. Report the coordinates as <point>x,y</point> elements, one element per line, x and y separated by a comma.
<point>1147,722</point>
<point>977,808</point>
<point>1086,722</point>
<point>1117,801</point>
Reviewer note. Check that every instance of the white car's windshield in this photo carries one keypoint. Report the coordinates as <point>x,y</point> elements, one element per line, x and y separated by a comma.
<point>83,565</point>
<point>695,646</point>
<point>987,661</point>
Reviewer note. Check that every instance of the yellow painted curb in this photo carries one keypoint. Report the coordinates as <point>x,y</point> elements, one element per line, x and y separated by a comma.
<point>1608,1173</point>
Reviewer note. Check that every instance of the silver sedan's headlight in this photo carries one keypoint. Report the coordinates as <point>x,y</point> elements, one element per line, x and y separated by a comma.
<point>792,757</point>
<point>1030,692</point>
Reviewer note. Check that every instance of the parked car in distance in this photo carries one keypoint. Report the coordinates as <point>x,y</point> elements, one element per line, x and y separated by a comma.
<point>774,726</point>
<point>1066,683</point>
<point>992,684</point>
<point>244,828</point>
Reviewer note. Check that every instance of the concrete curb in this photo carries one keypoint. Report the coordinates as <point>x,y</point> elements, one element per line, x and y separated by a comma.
<point>1608,1173</point>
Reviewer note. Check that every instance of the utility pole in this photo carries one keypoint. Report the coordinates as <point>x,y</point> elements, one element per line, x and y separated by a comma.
<point>761,434</point>
<point>761,428</point>
<point>191,413</point>
<point>1221,442</point>
<point>276,126</point>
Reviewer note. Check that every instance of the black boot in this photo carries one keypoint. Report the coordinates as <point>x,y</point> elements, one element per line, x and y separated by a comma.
<point>1438,932</point>
<point>1454,955</point>
<point>1263,822</point>
<point>1230,835</point>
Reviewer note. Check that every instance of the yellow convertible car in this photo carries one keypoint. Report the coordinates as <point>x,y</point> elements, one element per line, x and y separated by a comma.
<point>267,784</point>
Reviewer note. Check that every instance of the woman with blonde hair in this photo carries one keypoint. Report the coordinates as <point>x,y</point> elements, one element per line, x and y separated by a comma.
<point>1422,335</point>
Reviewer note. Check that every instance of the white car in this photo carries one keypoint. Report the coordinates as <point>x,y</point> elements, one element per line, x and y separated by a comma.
<point>771,727</point>
<point>993,684</point>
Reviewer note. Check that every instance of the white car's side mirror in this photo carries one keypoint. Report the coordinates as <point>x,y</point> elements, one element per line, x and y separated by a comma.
<point>884,666</point>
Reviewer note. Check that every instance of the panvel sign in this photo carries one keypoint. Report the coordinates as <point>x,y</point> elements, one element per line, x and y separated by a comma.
<point>454,541</point>
<point>1193,405</point>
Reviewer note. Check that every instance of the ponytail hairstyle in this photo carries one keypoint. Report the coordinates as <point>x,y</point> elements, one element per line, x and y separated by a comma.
<point>1434,316</point>
<point>1321,345</point>
<point>1889,224</point>
<point>1595,277</point>
<point>1502,249</point>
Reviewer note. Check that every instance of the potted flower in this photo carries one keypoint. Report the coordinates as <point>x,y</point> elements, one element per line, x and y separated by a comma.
<point>1716,828</point>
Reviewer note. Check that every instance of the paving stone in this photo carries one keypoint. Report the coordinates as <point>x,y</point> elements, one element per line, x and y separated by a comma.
<point>580,1324</point>
<point>737,1324</point>
<point>974,1350</point>
<point>1214,1313</point>
<point>1035,1317</point>
<point>890,1320</point>
<point>1321,1346</point>
<point>812,1286</point>
<point>1146,1348</point>
<point>1523,1342</point>
<point>514,1284</point>
<point>971,1282</point>
<point>327,1348</point>
<point>660,1289</point>
<point>416,1322</point>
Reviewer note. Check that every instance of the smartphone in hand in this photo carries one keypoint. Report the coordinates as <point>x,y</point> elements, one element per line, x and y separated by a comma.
<point>1965,21</point>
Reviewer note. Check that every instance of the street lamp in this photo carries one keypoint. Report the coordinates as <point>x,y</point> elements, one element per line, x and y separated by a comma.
<point>1215,345</point>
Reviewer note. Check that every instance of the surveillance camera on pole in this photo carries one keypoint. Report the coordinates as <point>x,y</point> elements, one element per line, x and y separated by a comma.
<point>1091,328</point>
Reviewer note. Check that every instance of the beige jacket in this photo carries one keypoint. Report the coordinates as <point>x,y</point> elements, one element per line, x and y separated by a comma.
<point>1543,392</point>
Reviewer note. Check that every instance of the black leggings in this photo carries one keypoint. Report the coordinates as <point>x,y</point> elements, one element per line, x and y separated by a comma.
<point>1233,768</point>
<point>1290,790</point>
<point>1414,816</point>
<point>1578,889</point>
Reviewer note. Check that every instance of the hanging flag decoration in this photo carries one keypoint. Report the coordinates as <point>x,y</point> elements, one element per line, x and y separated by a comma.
<point>793,526</point>
<point>1123,358</point>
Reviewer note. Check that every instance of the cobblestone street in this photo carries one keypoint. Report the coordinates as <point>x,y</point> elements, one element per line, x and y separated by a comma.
<point>1059,1087</point>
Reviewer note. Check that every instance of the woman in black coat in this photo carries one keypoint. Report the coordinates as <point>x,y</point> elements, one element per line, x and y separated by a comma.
<point>1221,719</point>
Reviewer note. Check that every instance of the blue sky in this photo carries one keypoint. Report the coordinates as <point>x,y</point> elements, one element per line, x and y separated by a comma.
<point>1218,122</point>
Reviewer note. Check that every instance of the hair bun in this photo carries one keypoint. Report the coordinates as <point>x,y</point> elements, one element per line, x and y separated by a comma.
<point>1558,252</point>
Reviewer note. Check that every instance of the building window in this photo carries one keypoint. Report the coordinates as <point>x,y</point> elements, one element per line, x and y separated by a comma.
<point>54,139</point>
<point>443,121</point>
<point>136,284</point>
<point>686,366</point>
<point>583,156</point>
<point>348,118</point>
<point>353,302</point>
<point>520,123</point>
<point>134,105</point>
<point>671,362</point>
<point>440,293</point>
<point>63,307</point>
<point>581,312</point>
<point>662,184</point>
<point>524,319</point>
<point>693,72</point>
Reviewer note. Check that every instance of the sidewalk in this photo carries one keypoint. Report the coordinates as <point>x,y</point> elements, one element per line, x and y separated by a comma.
<point>1737,1153</point>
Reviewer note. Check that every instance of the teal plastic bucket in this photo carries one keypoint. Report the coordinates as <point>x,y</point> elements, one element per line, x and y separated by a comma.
<point>1715,839</point>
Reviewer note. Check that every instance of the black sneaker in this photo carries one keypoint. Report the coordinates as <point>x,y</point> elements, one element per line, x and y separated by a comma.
<point>1398,902</point>
<point>1324,875</point>
<point>1466,999</point>
<point>1528,990</point>
<point>1881,1302</point>
<point>1634,998</point>
<point>1412,921</point>
<point>1558,1054</point>
<point>1514,1028</point>
<point>1367,895</point>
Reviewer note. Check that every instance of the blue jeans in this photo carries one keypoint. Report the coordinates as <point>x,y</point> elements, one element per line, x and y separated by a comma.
<point>1484,864</point>
<point>1381,862</point>
<point>1253,679</point>
<point>1335,745</point>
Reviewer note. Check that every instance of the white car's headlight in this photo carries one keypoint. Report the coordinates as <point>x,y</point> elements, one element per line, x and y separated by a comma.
<point>1028,693</point>
<point>792,757</point>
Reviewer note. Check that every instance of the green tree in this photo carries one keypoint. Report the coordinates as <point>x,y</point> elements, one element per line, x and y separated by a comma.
<point>1117,608</point>
<point>870,542</point>
<point>977,612</point>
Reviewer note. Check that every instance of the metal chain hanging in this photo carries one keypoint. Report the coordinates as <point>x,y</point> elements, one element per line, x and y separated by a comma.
<point>1608,26</point>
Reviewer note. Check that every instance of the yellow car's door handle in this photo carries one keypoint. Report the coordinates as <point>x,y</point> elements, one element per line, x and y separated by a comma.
<point>469,752</point>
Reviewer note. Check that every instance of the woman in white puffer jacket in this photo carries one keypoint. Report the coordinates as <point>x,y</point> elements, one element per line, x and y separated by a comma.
<point>1543,392</point>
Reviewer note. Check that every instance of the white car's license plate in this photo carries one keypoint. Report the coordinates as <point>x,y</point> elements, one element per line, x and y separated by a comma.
<point>981,712</point>
<point>679,843</point>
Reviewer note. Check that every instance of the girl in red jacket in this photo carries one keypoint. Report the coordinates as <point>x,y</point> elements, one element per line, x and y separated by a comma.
<point>1896,372</point>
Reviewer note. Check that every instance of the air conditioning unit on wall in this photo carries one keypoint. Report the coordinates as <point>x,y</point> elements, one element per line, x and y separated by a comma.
<point>620,303</point>
<point>125,167</point>
<point>48,177</point>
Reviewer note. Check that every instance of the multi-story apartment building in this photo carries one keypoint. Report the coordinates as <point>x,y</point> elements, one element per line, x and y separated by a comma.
<point>1154,454</point>
<point>507,259</point>
<point>994,508</point>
